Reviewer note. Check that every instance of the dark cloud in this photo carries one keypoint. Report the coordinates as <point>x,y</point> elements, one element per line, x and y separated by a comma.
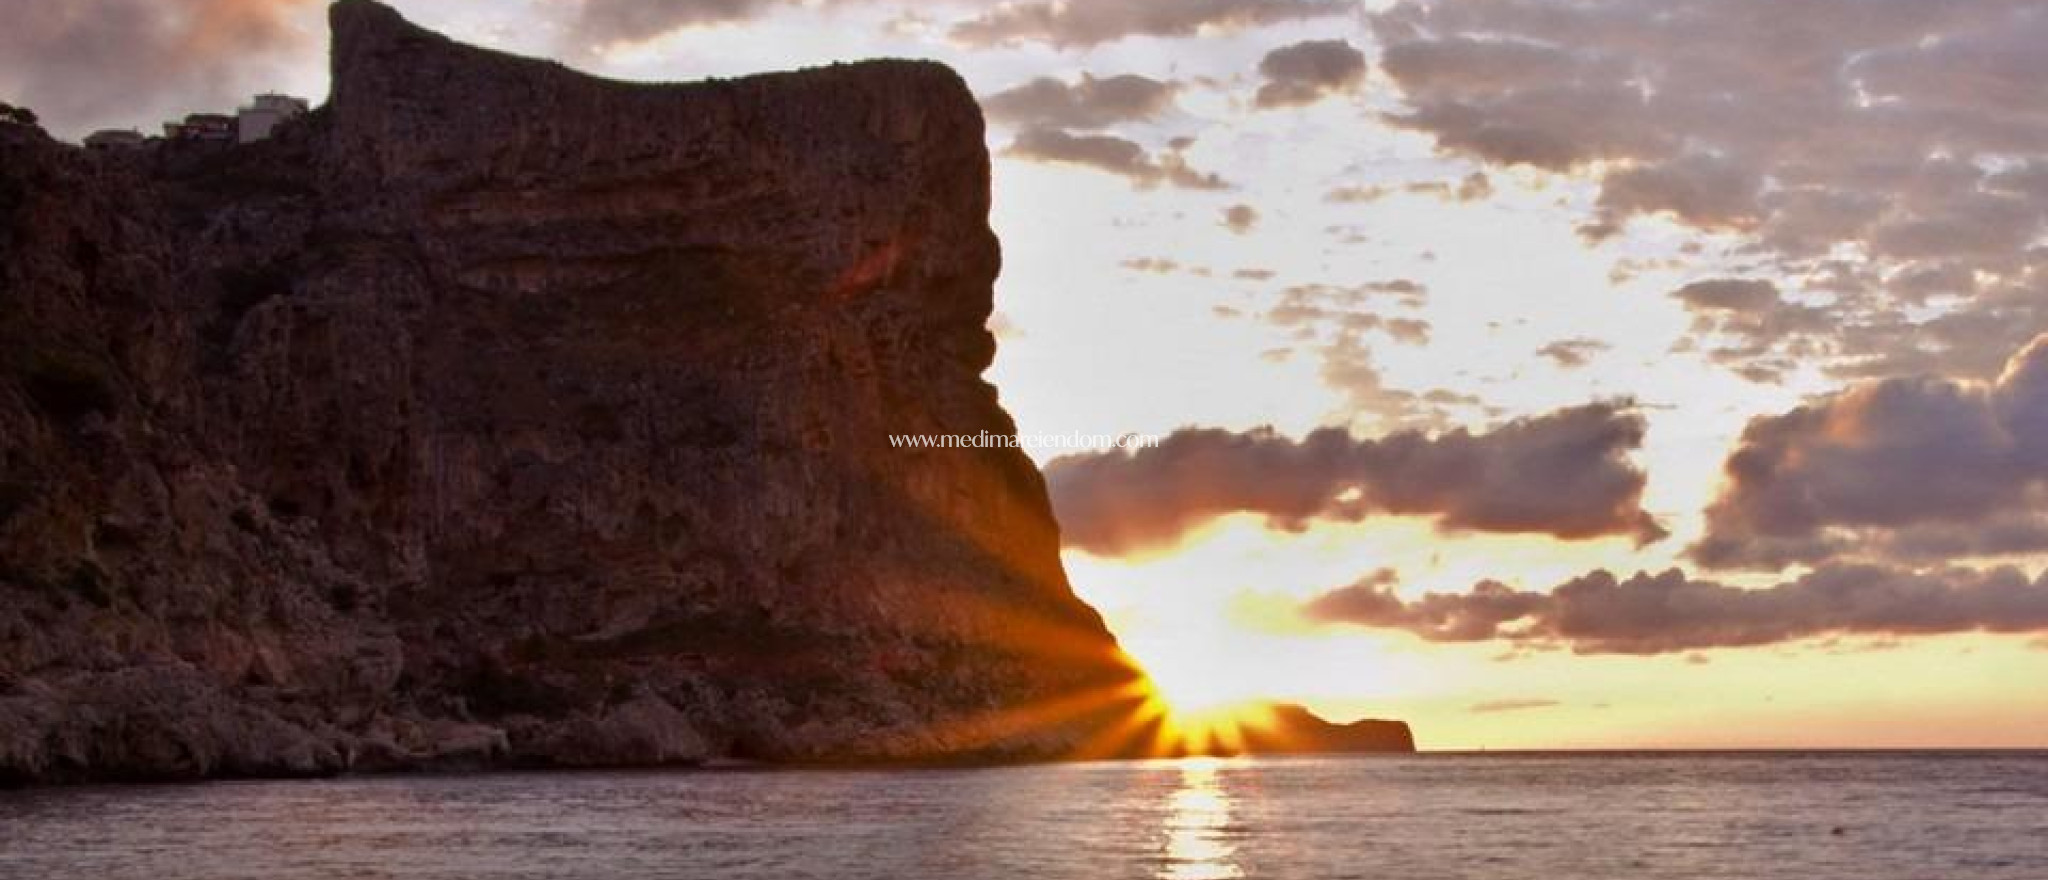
<point>85,64</point>
<point>1670,612</point>
<point>1572,353</point>
<point>1750,326</point>
<point>1476,616</point>
<point>1091,103</point>
<point>1703,192</point>
<point>1113,154</point>
<point>1738,295</point>
<point>1092,22</point>
<point>1309,71</point>
<point>1566,474</point>
<point>1240,218</point>
<point>1811,130</point>
<point>1452,66</point>
<point>1905,468</point>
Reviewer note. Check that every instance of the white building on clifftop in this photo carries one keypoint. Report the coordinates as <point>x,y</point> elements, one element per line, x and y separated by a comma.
<point>265,112</point>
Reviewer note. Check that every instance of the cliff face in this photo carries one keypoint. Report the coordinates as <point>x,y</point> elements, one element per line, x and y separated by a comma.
<point>497,413</point>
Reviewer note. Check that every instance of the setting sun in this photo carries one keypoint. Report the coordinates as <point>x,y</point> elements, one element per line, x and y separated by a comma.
<point>1220,729</point>
<point>1206,701</point>
<point>1193,679</point>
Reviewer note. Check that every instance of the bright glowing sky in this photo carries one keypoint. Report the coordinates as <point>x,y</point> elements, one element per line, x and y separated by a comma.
<point>1881,165</point>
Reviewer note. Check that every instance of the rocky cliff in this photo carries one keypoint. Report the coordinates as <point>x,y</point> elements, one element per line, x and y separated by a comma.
<point>498,414</point>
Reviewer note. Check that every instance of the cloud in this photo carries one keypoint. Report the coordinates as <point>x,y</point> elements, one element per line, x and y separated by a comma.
<point>1334,321</point>
<point>1572,353</point>
<point>1151,265</point>
<point>597,25</point>
<point>1350,325</point>
<point>1357,194</point>
<point>1091,103</point>
<point>1749,325</point>
<point>1738,295</point>
<point>85,64</point>
<point>1240,218</point>
<point>1905,468</point>
<point>1309,71</point>
<point>1866,154</point>
<point>1349,367</point>
<point>1598,613</point>
<point>1516,705</point>
<point>601,23</point>
<point>1566,474</point>
<point>1354,306</point>
<point>1112,154</point>
<point>1406,288</point>
<point>1475,616</point>
<point>1703,192</point>
<point>1066,23</point>
<point>1474,187</point>
<point>1003,328</point>
<point>1413,331</point>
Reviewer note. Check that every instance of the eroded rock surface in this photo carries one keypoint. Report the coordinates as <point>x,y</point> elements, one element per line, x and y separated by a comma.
<point>494,413</point>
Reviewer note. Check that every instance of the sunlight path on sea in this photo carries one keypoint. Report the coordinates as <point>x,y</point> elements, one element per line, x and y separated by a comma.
<point>1198,827</point>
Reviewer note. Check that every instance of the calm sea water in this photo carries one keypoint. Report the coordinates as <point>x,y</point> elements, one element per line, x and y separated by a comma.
<point>1480,816</point>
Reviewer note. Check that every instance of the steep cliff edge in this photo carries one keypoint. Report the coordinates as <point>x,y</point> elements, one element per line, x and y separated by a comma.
<point>495,413</point>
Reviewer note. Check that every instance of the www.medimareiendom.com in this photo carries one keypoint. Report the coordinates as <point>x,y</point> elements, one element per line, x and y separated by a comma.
<point>985,440</point>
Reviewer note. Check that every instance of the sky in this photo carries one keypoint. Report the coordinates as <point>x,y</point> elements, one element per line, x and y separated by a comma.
<point>1602,374</point>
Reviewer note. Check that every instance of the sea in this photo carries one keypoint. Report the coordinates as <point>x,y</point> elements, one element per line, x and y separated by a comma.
<point>1572,816</point>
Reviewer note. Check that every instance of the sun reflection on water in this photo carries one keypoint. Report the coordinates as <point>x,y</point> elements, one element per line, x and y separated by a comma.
<point>1197,843</point>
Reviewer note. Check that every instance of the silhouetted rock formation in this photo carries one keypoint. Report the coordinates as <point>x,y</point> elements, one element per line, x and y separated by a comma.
<point>495,413</point>
<point>1295,730</point>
